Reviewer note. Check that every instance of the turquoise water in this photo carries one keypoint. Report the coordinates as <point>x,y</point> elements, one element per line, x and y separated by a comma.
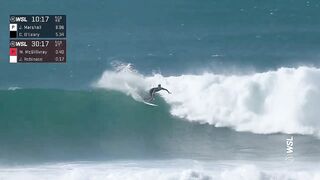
<point>55,125</point>
<point>173,37</point>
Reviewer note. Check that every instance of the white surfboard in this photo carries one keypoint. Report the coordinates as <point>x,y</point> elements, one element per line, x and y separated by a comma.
<point>149,103</point>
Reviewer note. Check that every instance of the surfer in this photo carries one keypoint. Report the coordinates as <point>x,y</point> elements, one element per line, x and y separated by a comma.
<point>152,91</point>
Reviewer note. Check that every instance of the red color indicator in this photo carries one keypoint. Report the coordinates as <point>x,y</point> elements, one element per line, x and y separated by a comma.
<point>13,51</point>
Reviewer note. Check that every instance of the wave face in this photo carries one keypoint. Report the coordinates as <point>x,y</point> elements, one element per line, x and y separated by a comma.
<point>285,100</point>
<point>38,125</point>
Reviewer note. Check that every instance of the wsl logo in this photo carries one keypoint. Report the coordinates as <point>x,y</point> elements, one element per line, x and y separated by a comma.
<point>289,149</point>
<point>18,19</point>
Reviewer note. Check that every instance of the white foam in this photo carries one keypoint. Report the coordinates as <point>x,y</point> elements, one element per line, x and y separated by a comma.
<point>160,170</point>
<point>14,88</point>
<point>286,100</point>
<point>124,79</point>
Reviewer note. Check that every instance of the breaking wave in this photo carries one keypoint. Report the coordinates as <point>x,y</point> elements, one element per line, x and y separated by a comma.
<point>157,170</point>
<point>285,100</point>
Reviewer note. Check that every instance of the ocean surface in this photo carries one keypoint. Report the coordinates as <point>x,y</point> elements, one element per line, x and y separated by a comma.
<point>244,77</point>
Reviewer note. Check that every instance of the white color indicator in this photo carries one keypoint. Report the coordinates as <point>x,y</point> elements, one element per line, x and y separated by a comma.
<point>13,27</point>
<point>13,59</point>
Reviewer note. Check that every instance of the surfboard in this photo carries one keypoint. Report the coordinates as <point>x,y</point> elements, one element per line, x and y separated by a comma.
<point>146,100</point>
<point>150,104</point>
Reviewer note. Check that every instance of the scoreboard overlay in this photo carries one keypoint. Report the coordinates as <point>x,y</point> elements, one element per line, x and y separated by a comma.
<point>37,39</point>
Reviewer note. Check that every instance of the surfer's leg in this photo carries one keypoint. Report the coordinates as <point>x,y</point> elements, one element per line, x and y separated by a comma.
<point>151,97</point>
<point>151,93</point>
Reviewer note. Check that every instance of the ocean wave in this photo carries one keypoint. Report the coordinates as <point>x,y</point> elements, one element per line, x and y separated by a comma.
<point>285,100</point>
<point>189,170</point>
<point>14,88</point>
<point>123,78</point>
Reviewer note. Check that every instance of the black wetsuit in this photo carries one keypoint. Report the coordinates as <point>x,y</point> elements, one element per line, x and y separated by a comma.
<point>152,91</point>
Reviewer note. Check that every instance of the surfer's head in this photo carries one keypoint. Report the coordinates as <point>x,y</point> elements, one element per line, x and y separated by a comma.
<point>159,85</point>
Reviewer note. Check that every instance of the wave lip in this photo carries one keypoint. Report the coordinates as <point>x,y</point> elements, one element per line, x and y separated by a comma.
<point>285,100</point>
<point>124,79</point>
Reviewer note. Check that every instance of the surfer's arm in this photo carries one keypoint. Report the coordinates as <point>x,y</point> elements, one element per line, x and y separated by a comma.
<point>166,90</point>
